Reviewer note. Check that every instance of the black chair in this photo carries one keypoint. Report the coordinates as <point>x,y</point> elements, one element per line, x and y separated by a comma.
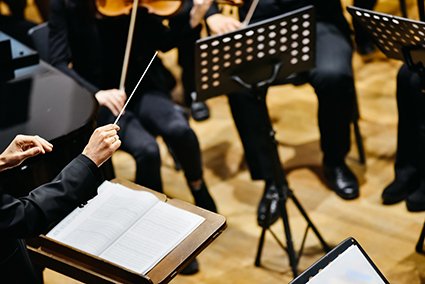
<point>40,38</point>
<point>420,243</point>
<point>421,10</point>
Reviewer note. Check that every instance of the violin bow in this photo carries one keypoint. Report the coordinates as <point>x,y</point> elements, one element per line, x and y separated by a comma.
<point>250,13</point>
<point>128,45</point>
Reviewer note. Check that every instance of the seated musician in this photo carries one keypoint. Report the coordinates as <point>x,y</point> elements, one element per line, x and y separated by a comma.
<point>409,180</point>
<point>333,82</point>
<point>364,43</point>
<point>31,215</point>
<point>95,45</point>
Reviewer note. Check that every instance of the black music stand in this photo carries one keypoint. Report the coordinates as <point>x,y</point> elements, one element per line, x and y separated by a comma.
<point>398,38</point>
<point>252,59</point>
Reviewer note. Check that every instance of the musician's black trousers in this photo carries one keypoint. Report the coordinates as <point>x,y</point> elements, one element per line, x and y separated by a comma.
<point>332,80</point>
<point>410,158</point>
<point>156,115</point>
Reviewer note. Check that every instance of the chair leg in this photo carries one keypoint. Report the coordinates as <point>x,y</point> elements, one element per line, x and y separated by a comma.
<point>403,8</point>
<point>421,9</point>
<point>357,134</point>
<point>420,244</point>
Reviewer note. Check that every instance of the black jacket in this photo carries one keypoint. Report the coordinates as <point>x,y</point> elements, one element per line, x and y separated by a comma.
<point>35,213</point>
<point>96,46</point>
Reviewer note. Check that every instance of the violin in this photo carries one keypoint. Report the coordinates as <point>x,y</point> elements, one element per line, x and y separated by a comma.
<point>164,8</point>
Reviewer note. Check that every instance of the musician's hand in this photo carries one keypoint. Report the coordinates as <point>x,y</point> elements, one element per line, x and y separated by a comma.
<point>197,13</point>
<point>113,99</point>
<point>220,24</point>
<point>102,144</point>
<point>22,148</point>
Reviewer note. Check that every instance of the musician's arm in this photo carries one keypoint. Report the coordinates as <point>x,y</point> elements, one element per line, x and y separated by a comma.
<point>214,9</point>
<point>76,183</point>
<point>60,54</point>
<point>32,214</point>
<point>164,38</point>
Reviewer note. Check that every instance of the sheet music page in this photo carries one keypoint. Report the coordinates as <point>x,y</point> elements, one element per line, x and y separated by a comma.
<point>131,228</point>
<point>152,237</point>
<point>99,223</point>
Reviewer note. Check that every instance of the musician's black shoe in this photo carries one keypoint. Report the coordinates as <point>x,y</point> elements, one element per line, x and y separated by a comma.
<point>399,189</point>
<point>203,197</point>
<point>342,180</point>
<point>415,202</point>
<point>191,268</point>
<point>270,196</point>
<point>366,48</point>
<point>199,111</point>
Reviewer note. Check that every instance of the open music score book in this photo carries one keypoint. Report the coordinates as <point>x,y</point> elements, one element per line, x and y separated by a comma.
<point>133,229</point>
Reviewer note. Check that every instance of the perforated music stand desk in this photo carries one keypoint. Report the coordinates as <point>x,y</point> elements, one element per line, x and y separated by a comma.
<point>398,38</point>
<point>348,262</point>
<point>392,34</point>
<point>251,53</point>
<point>91,269</point>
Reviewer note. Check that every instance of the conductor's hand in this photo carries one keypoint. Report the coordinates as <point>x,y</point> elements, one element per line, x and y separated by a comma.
<point>113,99</point>
<point>220,24</point>
<point>22,148</point>
<point>102,144</point>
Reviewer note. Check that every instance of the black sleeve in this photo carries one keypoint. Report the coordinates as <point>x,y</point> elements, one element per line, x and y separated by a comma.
<point>212,10</point>
<point>59,50</point>
<point>33,214</point>
<point>162,37</point>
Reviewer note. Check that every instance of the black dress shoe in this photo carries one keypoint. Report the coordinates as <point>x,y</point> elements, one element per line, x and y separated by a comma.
<point>415,202</point>
<point>203,197</point>
<point>342,180</point>
<point>366,48</point>
<point>399,189</point>
<point>199,111</point>
<point>191,268</point>
<point>271,198</point>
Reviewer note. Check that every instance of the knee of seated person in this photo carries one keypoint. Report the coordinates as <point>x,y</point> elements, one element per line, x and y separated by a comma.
<point>148,153</point>
<point>333,82</point>
<point>179,130</point>
<point>407,78</point>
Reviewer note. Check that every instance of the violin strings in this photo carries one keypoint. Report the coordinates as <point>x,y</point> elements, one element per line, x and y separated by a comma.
<point>135,88</point>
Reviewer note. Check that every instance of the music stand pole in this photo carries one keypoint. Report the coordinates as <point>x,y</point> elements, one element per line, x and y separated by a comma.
<point>259,90</point>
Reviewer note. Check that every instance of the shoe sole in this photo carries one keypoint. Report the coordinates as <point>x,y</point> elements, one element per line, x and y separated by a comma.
<point>415,207</point>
